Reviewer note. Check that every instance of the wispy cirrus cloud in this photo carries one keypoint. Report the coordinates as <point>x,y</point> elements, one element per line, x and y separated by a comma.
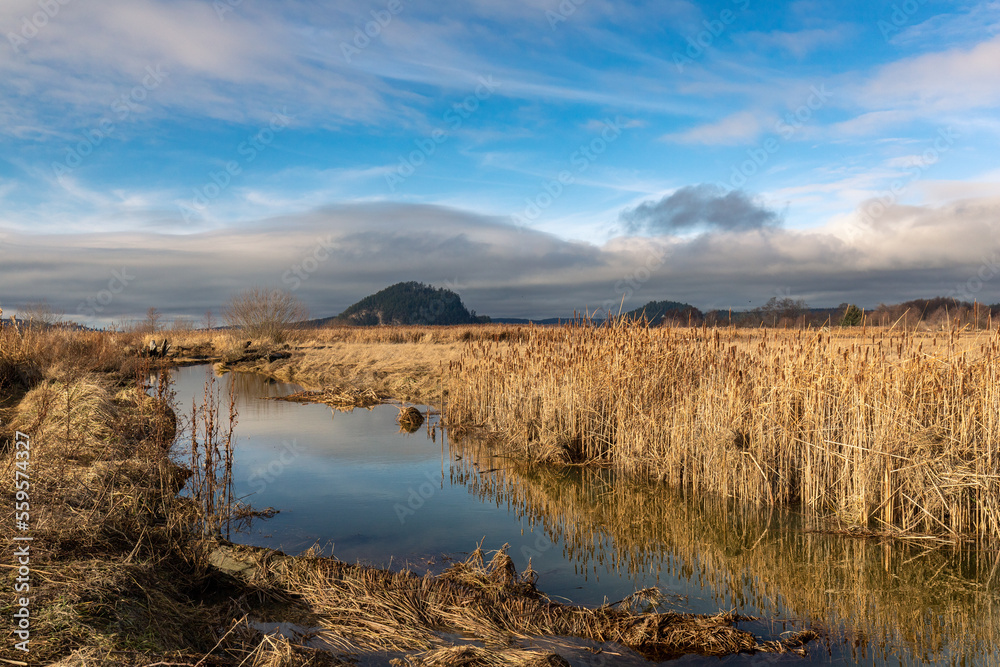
<point>980,22</point>
<point>739,128</point>
<point>798,43</point>
<point>958,79</point>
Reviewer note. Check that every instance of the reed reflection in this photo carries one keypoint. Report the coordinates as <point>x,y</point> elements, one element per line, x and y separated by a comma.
<point>921,600</point>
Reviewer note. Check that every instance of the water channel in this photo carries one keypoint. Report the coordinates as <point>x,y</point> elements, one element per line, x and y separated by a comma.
<point>353,485</point>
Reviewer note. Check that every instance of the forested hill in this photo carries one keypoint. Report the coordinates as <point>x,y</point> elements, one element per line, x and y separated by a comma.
<point>409,303</point>
<point>657,311</point>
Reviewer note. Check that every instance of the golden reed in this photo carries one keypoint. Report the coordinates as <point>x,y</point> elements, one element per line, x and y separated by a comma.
<point>886,428</point>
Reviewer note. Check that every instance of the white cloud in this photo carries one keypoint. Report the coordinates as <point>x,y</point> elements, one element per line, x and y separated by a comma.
<point>959,79</point>
<point>981,22</point>
<point>906,161</point>
<point>800,43</point>
<point>595,125</point>
<point>874,122</point>
<point>739,128</point>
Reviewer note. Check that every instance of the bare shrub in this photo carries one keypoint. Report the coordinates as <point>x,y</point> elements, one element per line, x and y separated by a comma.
<point>40,314</point>
<point>262,313</point>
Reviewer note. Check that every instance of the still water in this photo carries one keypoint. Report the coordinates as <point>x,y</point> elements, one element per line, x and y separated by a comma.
<point>353,485</point>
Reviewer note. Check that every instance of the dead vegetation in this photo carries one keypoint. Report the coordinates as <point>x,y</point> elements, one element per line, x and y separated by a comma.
<point>410,419</point>
<point>886,429</point>
<point>128,571</point>
<point>341,398</point>
<point>402,362</point>
<point>367,610</point>
<point>118,567</point>
<point>890,430</point>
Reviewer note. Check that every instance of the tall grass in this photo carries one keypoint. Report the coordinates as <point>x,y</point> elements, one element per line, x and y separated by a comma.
<point>210,457</point>
<point>402,362</point>
<point>885,428</point>
<point>29,354</point>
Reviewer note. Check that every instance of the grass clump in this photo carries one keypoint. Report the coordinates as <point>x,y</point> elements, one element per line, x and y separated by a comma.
<point>498,612</point>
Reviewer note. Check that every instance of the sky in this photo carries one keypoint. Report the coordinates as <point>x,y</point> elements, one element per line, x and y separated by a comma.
<point>539,157</point>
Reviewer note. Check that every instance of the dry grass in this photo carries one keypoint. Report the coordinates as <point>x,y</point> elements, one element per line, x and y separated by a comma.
<point>347,365</point>
<point>367,610</point>
<point>124,574</point>
<point>401,362</point>
<point>344,398</point>
<point>118,573</point>
<point>103,508</point>
<point>28,355</point>
<point>886,428</point>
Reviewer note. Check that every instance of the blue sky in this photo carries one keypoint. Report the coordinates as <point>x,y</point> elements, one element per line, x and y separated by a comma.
<point>538,156</point>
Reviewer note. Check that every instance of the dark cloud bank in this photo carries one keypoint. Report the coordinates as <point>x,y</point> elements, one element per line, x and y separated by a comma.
<point>333,257</point>
<point>703,206</point>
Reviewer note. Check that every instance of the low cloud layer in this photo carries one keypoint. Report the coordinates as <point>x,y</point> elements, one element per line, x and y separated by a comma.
<point>333,257</point>
<point>705,206</point>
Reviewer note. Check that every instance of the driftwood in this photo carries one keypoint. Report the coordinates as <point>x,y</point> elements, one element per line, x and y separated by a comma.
<point>155,349</point>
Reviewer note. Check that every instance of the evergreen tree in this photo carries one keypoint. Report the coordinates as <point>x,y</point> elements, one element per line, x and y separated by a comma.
<point>852,316</point>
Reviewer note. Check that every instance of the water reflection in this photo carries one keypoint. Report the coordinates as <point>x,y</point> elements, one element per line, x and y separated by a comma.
<point>251,388</point>
<point>353,484</point>
<point>936,602</point>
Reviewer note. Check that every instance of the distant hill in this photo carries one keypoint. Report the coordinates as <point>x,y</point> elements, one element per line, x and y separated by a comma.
<point>416,303</point>
<point>657,311</point>
<point>408,303</point>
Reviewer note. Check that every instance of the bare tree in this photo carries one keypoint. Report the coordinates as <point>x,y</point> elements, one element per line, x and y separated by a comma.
<point>785,310</point>
<point>40,314</point>
<point>208,322</point>
<point>264,313</point>
<point>181,324</point>
<point>152,322</point>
